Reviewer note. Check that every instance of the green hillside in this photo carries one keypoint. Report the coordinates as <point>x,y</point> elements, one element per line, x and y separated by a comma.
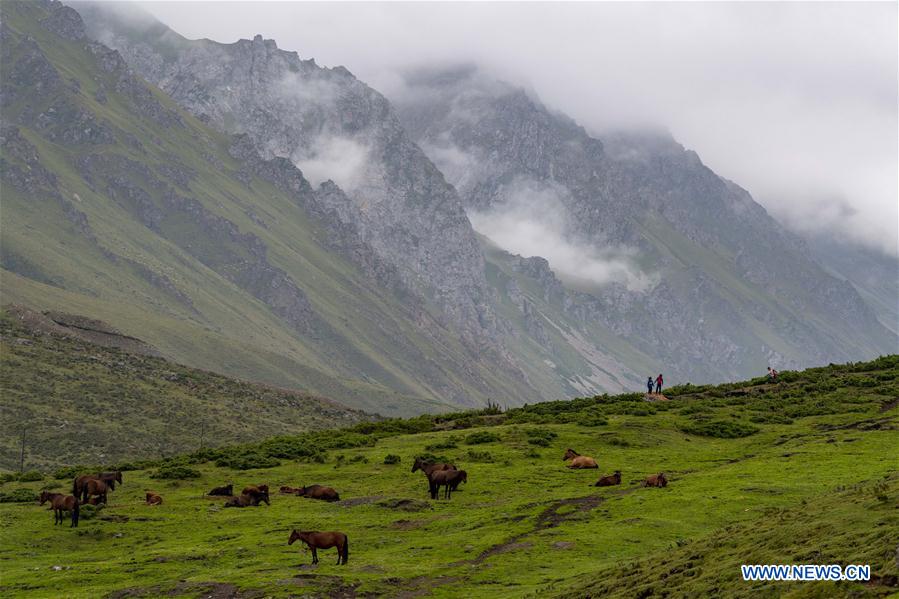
<point>804,471</point>
<point>81,403</point>
<point>119,206</point>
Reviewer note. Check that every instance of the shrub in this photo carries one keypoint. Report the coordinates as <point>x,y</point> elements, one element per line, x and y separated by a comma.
<point>540,436</point>
<point>479,437</point>
<point>532,453</point>
<point>247,461</point>
<point>20,495</point>
<point>431,458</point>
<point>88,511</point>
<point>592,419</point>
<point>449,443</point>
<point>619,442</point>
<point>175,472</point>
<point>479,456</point>
<point>30,476</point>
<point>392,459</point>
<point>70,472</point>
<point>722,429</point>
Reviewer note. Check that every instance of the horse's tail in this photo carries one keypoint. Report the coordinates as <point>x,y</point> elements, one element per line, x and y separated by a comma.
<point>76,512</point>
<point>346,548</point>
<point>75,486</point>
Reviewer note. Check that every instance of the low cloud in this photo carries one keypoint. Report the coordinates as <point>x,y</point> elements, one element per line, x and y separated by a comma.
<point>532,221</point>
<point>341,159</point>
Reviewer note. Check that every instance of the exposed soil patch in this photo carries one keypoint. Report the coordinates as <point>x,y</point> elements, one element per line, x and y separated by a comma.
<point>406,505</point>
<point>889,405</point>
<point>872,424</point>
<point>204,590</point>
<point>407,524</point>
<point>563,545</point>
<point>359,501</point>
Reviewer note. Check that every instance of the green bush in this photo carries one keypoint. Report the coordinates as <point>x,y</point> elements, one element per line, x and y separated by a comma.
<point>479,437</point>
<point>449,443</point>
<point>20,495</point>
<point>479,456</point>
<point>430,458</point>
<point>88,511</point>
<point>247,461</point>
<point>392,459</point>
<point>592,419</point>
<point>722,429</point>
<point>175,472</point>
<point>30,476</point>
<point>540,436</point>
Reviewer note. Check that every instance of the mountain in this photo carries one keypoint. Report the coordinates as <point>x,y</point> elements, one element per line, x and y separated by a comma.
<point>121,206</point>
<point>80,392</point>
<point>681,263</point>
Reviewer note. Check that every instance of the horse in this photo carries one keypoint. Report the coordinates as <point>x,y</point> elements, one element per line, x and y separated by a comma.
<point>323,540</point>
<point>656,480</point>
<point>95,486</point>
<point>154,499</point>
<point>60,504</point>
<point>248,500</point>
<point>443,478</point>
<point>255,489</point>
<point>110,478</point>
<point>610,480</point>
<point>579,461</point>
<point>318,492</point>
<point>227,491</point>
<point>452,480</point>
<point>428,467</point>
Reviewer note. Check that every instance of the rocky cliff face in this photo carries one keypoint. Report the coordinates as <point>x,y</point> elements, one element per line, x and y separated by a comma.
<point>725,287</point>
<point>334,128</point>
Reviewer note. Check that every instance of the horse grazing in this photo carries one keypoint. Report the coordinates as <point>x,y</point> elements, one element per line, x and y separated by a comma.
<point>610,480</point>
<point>428,467</point>
<point>323,540</point>
<point>80,482</point>
<point>255,489</point>
<point>227,491</point>
<point>154,499</point>
<point>60,504</point>
<point>95,486</point>
<point>656,480</point>
<point>318,492</point>
<point>248,500</point>
<point>578,460</point>
<point>452,479</point>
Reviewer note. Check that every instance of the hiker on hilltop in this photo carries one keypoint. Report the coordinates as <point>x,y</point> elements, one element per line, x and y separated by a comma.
<point>649,385</point>
<point>659,381</point>
<point>772,375</point>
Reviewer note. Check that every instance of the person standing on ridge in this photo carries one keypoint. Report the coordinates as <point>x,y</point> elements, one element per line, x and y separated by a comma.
<point>649,385</point>
<point>659,382</point>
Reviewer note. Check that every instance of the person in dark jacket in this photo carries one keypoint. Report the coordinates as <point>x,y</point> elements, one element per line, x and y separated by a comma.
<point>649,385</point>
<point>659,382</point>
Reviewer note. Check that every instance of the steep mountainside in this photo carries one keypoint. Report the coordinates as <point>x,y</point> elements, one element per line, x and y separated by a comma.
<point>699,276</point>
<point>119,205</point>
<point>78,397</point>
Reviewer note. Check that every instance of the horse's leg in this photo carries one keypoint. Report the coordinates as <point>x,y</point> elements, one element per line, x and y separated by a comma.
<point>314,555</point>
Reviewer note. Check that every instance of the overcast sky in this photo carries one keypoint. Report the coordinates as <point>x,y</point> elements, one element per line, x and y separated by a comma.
<point>797,102</point>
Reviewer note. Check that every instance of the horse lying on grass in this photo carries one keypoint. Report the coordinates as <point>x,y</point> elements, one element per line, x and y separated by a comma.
<point>610,480</point>
<point>579,461</point>
<point>656,480</point>
<point>252,499</point>
<point>318,492</point>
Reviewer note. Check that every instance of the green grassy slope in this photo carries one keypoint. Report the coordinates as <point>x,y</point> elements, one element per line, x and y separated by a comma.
<point>83,403</point>
<point>153,227</point>
<point>804,471</point>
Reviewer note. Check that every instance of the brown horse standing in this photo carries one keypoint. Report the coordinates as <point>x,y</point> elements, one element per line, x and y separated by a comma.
<point>80,482</point>
<point>323,540</point>
<point>60,504</point>
<point>452,480</point>
<point>428,467</point>
<point>578,460</point>
<point>95,486</point>
<point>318,492</point>
<point>656,480</point>
<point>610,480</point>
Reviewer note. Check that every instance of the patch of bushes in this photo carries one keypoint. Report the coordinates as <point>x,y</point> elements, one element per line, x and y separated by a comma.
<point>30,476</point>
<point>479,456</point>
<point>540,436</point>
<point>175,471</point>
<point>430,458</point>
<point>480,437</point>
<point>449,443</point>
<point>88,511</point>
<point>247,461</point>
<point>721,429</point>
<point>392,459</point>
<point>619,442</point>
<point>20,495</point>
<point>592,419</point>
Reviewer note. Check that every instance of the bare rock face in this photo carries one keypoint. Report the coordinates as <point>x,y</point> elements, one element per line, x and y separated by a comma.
<point>336,130</point>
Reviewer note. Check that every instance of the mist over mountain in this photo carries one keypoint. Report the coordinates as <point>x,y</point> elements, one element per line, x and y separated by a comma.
<point>248,211</point>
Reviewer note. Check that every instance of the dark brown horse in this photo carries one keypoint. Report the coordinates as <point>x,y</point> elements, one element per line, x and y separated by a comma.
<point>318,492</point>
<point>444,478</point>
<point>154,499</point>
<point>227,491</point>
<point>428,467</point>
<point>453,479</point>
<point>610,480</point>
<point>323,540</point>
<point>248,500</point>
<point>95,486</point>
<point>110,478</point>
<point>656,480</point>
<point>255,489</point>
<point>60,504</point>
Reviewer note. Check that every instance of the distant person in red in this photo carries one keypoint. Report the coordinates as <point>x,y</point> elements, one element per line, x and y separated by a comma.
<point>772,375</point>
<point>659,381</point>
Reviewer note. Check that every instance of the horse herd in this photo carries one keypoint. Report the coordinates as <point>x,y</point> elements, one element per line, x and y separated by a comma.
<point>94,488</point>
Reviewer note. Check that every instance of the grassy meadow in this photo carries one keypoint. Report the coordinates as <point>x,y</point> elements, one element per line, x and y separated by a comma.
<point>806,471</point>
